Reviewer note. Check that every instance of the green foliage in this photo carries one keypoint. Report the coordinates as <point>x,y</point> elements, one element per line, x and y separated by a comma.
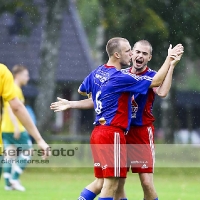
<point>160,22</point>
<point>90,16</point>
<point>133,20</point>
<point>182,20</point>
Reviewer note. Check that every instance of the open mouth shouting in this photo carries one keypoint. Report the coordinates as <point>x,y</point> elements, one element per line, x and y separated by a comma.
<point>139,62</point>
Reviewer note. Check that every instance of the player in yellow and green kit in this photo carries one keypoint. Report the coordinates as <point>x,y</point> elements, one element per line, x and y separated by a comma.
<point>8,94</point>
<point>14,134</point>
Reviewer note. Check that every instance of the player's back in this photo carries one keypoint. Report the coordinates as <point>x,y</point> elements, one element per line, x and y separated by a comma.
<point>111,105</point>
<point>111,93</point>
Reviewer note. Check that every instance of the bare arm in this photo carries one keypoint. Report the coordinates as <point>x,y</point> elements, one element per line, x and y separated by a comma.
<point>163,90</point>
<point>22,114</point>
<point>63,104</point>
<point>15,123</point>
<point>161,74</point>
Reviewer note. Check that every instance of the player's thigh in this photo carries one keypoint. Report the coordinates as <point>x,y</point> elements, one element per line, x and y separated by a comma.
<point>109,151</point>
<point>24,141</point>
<point>8,139</point>
<point>10,152</point>
<point>140,149</point>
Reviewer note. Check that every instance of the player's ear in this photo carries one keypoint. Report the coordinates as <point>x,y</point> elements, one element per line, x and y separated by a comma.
<point>117,55</point>
<point>150,57</point>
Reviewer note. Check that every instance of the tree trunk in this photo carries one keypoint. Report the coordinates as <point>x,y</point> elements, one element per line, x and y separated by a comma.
<point>100,37</point>
<point>49,54</point>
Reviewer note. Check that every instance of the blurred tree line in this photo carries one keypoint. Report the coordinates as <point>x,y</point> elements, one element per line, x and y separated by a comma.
<point>161,23</point>
<point>48,49</point>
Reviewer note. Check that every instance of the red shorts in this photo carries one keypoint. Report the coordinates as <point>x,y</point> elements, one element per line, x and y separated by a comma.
<point>108,145</point>
<point>140,149</point>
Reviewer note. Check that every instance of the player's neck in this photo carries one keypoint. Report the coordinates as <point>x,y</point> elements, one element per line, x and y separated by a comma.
<point>138,71</point>
<point>112,62</point>
<point>18,83</point>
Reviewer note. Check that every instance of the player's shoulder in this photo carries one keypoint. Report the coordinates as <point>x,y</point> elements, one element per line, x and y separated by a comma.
<point>3,68</point>
<point>17,88</point>
<point>150,72</point>
<point>106,71</point>
<point>127,73</point>
<point>5,72</point>
<point>126,70</point>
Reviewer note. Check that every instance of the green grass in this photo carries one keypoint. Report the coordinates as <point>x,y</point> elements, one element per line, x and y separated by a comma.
<point>66,184</point>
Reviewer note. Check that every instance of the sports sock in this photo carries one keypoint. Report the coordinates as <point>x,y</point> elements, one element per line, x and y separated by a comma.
<point>87,195</point>
<point>7,167</point>
<point>155,198</point>
<point>105,198</point>
<point>124,199</point>
<point>19,166</point>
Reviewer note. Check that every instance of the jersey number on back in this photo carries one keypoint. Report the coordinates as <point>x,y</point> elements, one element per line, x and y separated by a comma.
<point>98,103</point>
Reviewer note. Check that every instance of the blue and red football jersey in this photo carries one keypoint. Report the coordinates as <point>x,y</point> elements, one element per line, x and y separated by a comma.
<point>111,93</point>
<point>142,104</point>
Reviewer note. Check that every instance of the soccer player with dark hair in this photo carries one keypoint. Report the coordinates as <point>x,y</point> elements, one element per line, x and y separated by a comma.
<point>111,92</point>
<point>8,94</point>
<point>140,138</point>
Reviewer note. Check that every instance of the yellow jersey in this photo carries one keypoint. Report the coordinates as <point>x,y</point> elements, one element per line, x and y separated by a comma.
<point>7,124</point>
<point>7,93</point>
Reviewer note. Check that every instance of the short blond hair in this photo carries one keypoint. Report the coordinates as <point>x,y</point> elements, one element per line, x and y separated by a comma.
<point>113,45</point>
<point>146,43</point>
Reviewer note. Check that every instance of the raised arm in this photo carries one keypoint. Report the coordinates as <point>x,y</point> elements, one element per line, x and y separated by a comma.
<point>162,72</point>
<point>63,104</point>
<point>163,90</point>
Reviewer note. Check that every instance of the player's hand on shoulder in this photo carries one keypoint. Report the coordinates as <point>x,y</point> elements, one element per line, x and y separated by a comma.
<point>60,105</point>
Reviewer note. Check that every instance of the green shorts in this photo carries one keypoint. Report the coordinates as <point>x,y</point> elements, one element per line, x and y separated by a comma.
<point>24,141</point>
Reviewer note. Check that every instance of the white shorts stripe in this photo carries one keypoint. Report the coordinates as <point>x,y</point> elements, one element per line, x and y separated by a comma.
<point>117,155</point>
<point>151,143</point>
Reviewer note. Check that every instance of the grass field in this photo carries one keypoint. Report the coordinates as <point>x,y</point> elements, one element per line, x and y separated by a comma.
<point>66,184</point>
